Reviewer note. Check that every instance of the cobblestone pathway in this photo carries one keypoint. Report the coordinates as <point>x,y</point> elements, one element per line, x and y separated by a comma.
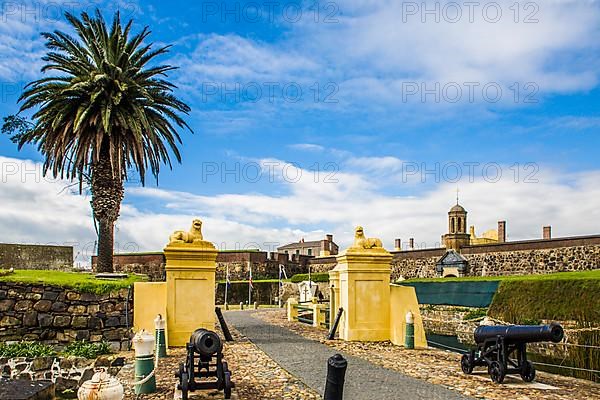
<point>443,368</point>
<point>307,360</point>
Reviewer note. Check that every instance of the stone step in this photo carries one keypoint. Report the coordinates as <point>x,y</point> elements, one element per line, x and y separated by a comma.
<point>26,390</point>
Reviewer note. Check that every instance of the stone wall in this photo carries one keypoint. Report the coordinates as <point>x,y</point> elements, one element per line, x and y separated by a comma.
<point>415,263</point>
<point>450,321</point>
<point>264,265</point>
<point>57,315</point>
<point>322,264</point>
<point>509,258</point>
<point>31,256</point>
<point>150,264</point>
<point>68,373</point>
<point>535,261</point>
<point>446,320</point>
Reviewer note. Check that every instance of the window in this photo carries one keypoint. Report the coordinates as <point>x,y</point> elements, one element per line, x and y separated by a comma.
<point>452,225</point>
<point>460,225</point>
<point>297,252</point>
<point>310,252</point>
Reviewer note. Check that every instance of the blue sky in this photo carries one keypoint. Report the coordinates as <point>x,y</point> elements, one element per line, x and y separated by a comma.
<point>386,88</point>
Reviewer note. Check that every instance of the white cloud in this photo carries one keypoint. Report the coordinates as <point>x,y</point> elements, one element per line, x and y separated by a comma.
<point>376,49</point>
<point>307,147</point>
<point>232,58</point>
<point>35,210</point>
<point>385,164</point>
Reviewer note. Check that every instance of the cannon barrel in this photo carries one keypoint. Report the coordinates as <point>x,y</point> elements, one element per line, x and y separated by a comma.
<point>520,333</point>
<point>205,342</point>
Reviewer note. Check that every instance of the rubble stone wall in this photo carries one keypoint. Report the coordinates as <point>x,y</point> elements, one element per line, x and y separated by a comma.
<point>56,315</point>
<point>32,256</point>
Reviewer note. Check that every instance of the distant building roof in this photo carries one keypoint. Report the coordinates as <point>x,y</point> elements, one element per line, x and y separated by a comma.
<point>313,243</point>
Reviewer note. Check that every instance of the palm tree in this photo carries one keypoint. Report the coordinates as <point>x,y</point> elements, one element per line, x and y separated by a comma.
<point>105,112</point>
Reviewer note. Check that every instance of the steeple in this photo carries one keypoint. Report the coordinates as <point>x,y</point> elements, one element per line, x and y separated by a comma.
<point>457,235</point>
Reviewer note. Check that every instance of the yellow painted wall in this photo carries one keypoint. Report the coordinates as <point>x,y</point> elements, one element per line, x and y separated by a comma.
<point>402,300</point>
<point>149,300</point>
<point>363,278</point>
<point>190,289</point>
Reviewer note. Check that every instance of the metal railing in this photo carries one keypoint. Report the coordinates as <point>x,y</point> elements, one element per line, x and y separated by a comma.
<point>326,312</point>
<point>305,314</point>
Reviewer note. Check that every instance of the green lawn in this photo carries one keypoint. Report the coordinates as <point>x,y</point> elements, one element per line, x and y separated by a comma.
<point>594,274</point>
<point>77,280</point>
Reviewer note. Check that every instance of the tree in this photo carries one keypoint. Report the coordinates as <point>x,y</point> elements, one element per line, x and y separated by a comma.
<point>105,112</point>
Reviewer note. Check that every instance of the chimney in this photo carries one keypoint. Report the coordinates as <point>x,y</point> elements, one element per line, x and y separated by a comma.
<point>397,244</point>
<point>547,232</point>
<point>501,231</point>
<point>329,238</point>
<point>411,243</point>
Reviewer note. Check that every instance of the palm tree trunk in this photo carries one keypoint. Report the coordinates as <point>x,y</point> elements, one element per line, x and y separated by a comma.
<point>107,194</point>
<point>105,246</point>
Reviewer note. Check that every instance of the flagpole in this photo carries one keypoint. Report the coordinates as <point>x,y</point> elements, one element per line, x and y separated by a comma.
<point>250,288</point>
<point>226,282</point>
<point>280,287</point>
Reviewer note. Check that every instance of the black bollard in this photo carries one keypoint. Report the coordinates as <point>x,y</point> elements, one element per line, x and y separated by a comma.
<point>334,327</point>
<point>336,371</point>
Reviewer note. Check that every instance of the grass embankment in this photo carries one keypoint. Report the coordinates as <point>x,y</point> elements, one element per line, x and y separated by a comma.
<point>562,299</point>
<point>317,277</point>
<point>83,282</point>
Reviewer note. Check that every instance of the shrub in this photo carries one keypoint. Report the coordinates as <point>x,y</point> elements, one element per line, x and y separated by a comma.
<point>475,313</point>
<point>26,349</point>
<point>318,277</point>
<point>87,349</point>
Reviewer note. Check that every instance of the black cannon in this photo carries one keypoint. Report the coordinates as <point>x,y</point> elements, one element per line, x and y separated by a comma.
<point>497,345</point>
<point>204,361</point>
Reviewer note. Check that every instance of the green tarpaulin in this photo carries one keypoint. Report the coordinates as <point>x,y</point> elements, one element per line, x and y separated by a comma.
<point>466,294</point>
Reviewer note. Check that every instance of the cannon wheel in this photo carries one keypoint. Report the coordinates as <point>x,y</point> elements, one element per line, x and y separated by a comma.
<point>184,386</point>
<point>528,372</point>
<point>228,385</point>
<point>466,364</point>
<point>497,372</point>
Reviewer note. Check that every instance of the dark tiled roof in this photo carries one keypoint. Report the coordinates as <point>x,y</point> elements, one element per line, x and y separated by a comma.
<point>313,243</point>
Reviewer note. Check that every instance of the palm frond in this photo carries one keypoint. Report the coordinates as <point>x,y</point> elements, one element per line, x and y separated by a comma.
<point>105,99</point>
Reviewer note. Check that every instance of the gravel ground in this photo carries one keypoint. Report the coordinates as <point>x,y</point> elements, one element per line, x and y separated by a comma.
<point>441,367</point>
<point>307,359</point>
<point>255,375</point>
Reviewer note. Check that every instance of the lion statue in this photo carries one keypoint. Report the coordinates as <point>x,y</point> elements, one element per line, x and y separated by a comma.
<point>361,242</point>
<point>194,234</point>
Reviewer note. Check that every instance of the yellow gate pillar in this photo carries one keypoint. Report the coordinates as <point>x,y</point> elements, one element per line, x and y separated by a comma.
<point>190,266</point>
<point>363,280</point>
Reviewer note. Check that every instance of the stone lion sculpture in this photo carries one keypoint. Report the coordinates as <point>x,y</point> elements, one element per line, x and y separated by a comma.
<point>361,242</point>
<point>193,235</point>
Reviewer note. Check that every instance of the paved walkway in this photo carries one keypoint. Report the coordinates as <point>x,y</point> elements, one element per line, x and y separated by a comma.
<point>307,360</point>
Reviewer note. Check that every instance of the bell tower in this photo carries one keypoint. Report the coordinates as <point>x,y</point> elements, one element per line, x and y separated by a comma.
<point>457,235</point>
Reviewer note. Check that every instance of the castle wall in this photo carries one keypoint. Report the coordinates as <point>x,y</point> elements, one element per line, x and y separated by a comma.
<point>509,258</point>
<point>33,256</point>
<point>238,262</point>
